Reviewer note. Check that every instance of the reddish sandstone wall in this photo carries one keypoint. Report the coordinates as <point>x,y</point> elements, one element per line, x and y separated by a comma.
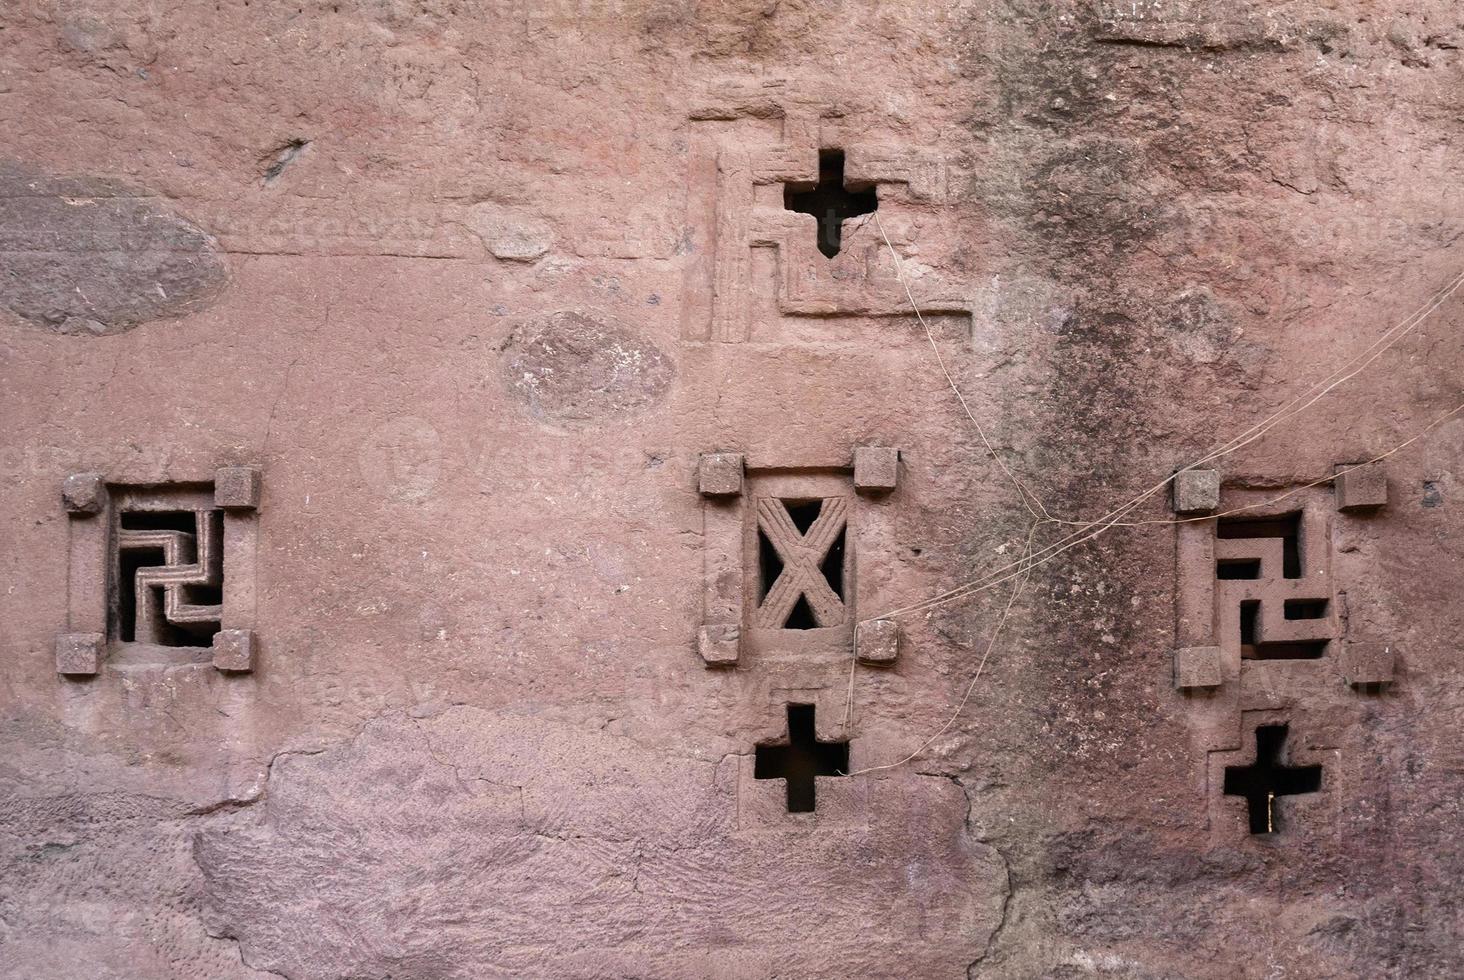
<point>476,285</point>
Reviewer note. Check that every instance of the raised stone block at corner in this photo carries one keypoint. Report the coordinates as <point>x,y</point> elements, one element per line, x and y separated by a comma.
<point>876,469</point>
<point>1362,487</point>
<point>79,654</point>
<point>236,487</point>
<point>720,474</point>
<point>1367,662</point>
<point>878,641</point>
<point>1196,491</point>
<point>1197,667</point>
<point>233,651</point>
<point>719,644</point>
<point>84,493</point>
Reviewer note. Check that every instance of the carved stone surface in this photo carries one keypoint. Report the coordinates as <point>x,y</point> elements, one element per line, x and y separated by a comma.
<point>190,560</point>
<point>1195,491</point>
<point>720,474</point>
<point>161,572</point>
<point>1197,667</point>
<point>1368,662</point>
<point>79,653</point>
<point>801,555</point>
<point>237,487</point>
<point>878,641</point>
<point>1361,488</point>
<point>876,468</point>
<point>477,283</point>
<point>84,493</point>
<point>737,208</point>
<point>233,651</point>
<point>719,644</point>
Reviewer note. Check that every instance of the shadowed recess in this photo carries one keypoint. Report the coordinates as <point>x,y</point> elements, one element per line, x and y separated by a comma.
<point>830,201</point>
<point>802,758</point>
<point>1268,778</point>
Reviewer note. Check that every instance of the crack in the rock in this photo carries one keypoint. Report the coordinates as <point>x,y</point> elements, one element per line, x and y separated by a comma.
<point>1008,888</point>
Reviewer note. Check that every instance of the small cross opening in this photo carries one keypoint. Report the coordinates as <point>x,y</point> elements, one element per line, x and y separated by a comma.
<point>801,759</point>
<point>1268,778</point>
<point>830,201</point>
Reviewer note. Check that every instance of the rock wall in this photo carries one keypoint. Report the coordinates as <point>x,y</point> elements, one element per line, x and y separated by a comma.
<point>470,452</point>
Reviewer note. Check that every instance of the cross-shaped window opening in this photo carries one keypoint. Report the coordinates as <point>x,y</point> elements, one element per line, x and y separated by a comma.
<point>1267,778</point>
<point>801,759</point>
<point>830,201</point>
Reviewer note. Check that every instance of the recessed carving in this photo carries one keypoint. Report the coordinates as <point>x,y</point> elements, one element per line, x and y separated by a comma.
<point>170,575</point>
<point>1267,779</point>
<point>800,759</point>
<point>161,572</point>
<point>801,562</point>
<point>831,201</point>
<point>1275,611</point>
<point>783,558</point>
<point>780,181</point>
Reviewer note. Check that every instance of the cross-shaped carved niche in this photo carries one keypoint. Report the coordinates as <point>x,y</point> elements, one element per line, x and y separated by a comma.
<point>778,180</point>
<point>1274,650</point>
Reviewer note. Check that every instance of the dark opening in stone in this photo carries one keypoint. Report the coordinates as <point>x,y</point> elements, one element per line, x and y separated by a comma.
<point>830,201</point>
<point>1305,608</point>
<point>803,514</point>
<point>1239,568</point>
<point>1287,527</point>
<point>1268,778</point>
<point>801,759</point>
<point>196,541</point>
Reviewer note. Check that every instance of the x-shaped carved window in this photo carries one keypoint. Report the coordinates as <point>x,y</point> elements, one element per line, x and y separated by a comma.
<point>801,544</point>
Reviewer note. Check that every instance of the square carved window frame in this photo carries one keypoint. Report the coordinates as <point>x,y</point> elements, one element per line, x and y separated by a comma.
<point>1202,622</point>
<point>94,504</point>
<point>731,487</point>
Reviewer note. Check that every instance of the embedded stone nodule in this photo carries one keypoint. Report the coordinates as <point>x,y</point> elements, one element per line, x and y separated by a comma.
<point>91,256</point>
<point>569,368</point>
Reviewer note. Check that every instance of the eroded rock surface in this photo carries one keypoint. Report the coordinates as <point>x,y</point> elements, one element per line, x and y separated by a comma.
<point>473,843</point>
<point>574,369</point>
<point>88,255</point>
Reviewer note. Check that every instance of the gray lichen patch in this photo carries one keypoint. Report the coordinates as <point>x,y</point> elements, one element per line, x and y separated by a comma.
<point>569,368</point>
<point>91,256</point>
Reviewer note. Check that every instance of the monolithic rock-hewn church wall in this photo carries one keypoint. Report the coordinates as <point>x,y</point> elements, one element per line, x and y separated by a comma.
<point>478,499</point>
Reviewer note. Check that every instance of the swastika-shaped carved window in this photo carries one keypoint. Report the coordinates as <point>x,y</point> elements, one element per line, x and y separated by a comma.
<point>801,557</point>
<point>170,576</point>
<point>161,572</point>
<point>1273,591</point>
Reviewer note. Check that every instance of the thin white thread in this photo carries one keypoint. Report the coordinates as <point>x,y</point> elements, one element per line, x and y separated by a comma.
<point>1017,590</point>
<point>1287,412</point>
<point>1026,563</point>
<point>935,349</point>
<point>1025,566</point>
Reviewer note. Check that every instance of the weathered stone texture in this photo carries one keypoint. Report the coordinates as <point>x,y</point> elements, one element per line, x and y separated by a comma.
<point>90,256</point>
<point>531,817</point>
<point>571,368</point>
<point>478,284</point>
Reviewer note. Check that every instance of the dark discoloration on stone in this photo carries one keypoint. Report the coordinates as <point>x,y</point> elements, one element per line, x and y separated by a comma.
<point>89,255</point>
<point>569,368</point>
